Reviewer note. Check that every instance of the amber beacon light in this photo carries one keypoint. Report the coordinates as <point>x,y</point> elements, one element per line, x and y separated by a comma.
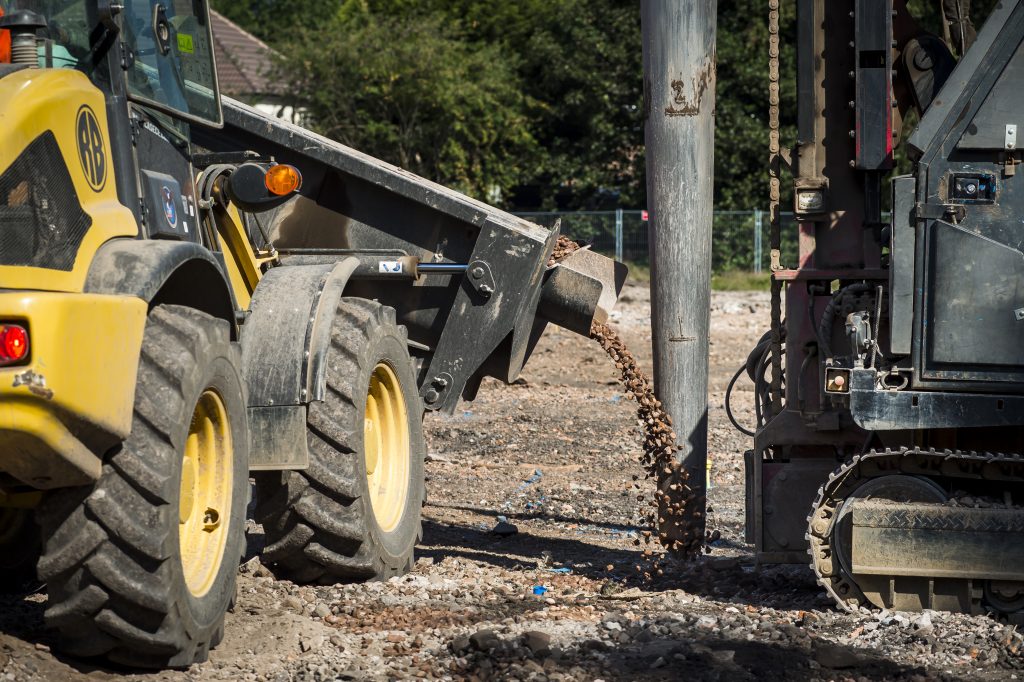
<point>283,179</point>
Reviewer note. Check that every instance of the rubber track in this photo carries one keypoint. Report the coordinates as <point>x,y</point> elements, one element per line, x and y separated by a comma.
<point>105,556</point>
<point>315,520</point>
<point>934,463</point>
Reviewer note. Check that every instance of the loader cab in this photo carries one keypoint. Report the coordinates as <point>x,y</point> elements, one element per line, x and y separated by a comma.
<point>170,84</point>
<point>163,47</point>
<point>153,60</point>
<point>171,68</point>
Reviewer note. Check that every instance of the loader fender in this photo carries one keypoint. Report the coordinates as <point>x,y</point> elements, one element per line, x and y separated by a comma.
<point>73,400</point>
<point>284,356</point>
<point>163,272</point>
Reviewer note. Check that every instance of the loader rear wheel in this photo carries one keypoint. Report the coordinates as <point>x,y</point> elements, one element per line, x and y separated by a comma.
<point>354,514</point>
<point>141,565</point>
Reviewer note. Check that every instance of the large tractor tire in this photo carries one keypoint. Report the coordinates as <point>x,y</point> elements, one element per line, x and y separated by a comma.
<point>19,551</point>
<point>141,565</point>
<point>354,514</point>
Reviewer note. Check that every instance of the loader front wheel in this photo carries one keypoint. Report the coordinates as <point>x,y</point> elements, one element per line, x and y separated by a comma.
<point>354,514</point>
<point>141,565</point>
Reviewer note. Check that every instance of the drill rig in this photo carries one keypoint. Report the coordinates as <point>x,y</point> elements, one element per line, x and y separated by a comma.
<point>890,388</point>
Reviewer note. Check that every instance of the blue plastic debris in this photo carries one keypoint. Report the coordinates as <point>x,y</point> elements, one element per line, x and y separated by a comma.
<point>563,570</point>
<point>539,590</point>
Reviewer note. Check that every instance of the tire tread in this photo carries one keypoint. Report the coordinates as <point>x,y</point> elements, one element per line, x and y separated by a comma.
<point>321,535</point>
<point>105,557</point>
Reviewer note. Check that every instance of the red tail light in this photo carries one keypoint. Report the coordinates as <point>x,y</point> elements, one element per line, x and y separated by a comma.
<point>13,344</point>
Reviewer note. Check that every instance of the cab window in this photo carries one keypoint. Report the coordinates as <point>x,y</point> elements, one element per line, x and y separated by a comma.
<point>172,66</point>
<point>66,36</point>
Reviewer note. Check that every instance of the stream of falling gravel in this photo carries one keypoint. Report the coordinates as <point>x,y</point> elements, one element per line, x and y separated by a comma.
<point>668,514</point>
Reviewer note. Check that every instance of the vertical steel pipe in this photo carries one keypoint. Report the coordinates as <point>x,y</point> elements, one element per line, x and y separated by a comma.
<point>679,102</point>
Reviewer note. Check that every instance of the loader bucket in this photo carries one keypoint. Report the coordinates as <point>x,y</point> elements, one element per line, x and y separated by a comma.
<point>581,290</point>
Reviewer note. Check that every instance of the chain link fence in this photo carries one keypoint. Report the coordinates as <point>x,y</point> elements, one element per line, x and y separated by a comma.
<point>740,239</point>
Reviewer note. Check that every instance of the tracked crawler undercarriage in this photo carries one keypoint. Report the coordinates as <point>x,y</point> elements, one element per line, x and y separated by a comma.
<point>886,531</point>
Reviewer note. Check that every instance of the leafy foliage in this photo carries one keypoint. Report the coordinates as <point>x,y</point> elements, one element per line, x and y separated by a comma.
<point>417,94</point>
<point>741,116</point>
<point>580,64</point>
<point>277,21</point>
<point>533,104</point>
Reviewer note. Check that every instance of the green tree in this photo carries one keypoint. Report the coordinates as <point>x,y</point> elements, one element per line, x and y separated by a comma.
<point>741,112</point>
<point>579,65</point>
<point>278,21</point>
<point>548,103</point>
<point>580,62</point>
<point>411,90</point>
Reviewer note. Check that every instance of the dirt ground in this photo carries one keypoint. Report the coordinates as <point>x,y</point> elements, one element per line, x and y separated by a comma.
<point>554,455</point>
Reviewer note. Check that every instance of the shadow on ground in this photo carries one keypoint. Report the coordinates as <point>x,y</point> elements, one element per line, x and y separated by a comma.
<point>693,655</point>
<point>733,579</point>
<point>21,617</point>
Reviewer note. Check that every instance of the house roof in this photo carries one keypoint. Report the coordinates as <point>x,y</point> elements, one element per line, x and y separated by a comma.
<point>244,62</point>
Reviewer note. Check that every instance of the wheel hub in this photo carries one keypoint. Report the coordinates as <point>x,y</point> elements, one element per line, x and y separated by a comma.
<point>386,446</point>
<point>1005,595</point>
<point>206,482</point>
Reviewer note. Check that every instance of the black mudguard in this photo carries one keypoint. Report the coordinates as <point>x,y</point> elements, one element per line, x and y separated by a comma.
<point>284,349</point>
<point>179,273</point>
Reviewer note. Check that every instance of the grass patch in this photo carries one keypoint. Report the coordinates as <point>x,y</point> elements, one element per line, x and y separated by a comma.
<point>731,280</point>
<point>741,280</point>
<point>639,272</point>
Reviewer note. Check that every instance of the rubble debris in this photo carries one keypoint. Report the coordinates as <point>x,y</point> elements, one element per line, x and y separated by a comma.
<point>539,643</point>
<point>772,616</point>
<point>563,247</point>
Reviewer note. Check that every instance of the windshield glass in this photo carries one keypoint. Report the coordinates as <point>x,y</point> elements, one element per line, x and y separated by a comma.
<point>173,59</point>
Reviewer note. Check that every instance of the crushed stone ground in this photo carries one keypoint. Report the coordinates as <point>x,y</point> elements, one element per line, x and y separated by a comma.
<point>555,455</point>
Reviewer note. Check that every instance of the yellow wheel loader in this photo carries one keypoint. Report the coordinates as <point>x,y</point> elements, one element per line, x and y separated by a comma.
<point>197,301</point>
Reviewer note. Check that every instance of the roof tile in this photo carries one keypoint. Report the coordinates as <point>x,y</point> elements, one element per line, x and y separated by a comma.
<point>244,62</point>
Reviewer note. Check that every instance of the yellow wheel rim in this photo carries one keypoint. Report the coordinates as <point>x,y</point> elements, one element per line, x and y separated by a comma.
<point>386,447</point>
<point>204,516</point>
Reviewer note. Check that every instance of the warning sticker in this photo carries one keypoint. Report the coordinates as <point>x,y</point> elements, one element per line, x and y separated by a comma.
<point>391,267</point>
<point>185,43</point>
